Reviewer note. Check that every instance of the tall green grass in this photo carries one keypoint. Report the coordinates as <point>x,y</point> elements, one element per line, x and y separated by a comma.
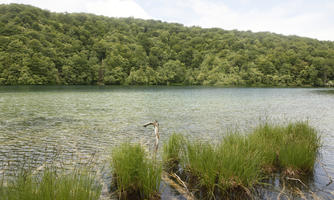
<point>201,162</point>
<point>172,152</point>
<point>239,162</point>
<point>293,146</point>
<point>136,175</point>
<point>51,184</point>
<point>228,166</point>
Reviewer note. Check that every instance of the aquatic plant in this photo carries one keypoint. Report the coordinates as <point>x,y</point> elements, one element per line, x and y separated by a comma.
<point>135,175</point>
<point>201,164</point>
<point>172,151</point>
<point>292,147</point>
<point>234,166</point>
<point>239,162</point>
<point>51,184</point>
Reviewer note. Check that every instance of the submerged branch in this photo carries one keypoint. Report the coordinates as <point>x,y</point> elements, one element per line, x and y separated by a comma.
<point>182,190</point>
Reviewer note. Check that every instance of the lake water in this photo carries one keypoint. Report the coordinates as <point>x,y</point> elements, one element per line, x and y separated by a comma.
<point>72,123</point>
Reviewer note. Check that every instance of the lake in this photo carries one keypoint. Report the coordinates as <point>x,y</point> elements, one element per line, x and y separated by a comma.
<point>70,123</point>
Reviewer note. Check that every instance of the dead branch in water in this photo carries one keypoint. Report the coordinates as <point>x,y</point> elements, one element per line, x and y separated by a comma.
<point>180,181</point>
<point>155,124</point>
<point>296,179</point>
<point>180,187</point>
<point>281,192</point>
<point>301,194</point>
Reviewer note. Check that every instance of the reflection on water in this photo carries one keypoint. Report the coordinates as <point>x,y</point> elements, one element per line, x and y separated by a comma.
<point>38,122</point>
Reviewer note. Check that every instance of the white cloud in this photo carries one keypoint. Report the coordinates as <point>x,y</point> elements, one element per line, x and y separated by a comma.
<point>282,18</point>
<point>298,17</point>
<point>119,8</point>
<point>111,8</point>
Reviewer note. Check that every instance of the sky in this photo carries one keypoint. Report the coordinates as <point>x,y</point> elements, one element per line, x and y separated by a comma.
<point>307,18</point>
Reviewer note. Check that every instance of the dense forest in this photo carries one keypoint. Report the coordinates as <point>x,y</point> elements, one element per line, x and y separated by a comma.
<point>41,47</point>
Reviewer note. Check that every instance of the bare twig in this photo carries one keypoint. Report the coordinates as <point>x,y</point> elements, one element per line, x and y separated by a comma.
<point>301,194</point>
<point>180,181</point>
<point>155,124</point>
<point>281,192</point>
<point>296,179</point>
<point>182,190</point>
<point>248,192</point>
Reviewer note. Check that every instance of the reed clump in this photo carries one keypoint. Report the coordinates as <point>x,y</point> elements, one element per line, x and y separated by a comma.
<point>291,149</point>
<point>232,168</point>
<point>135,174</point>
<point>172,152</point>
<point>51,184</point>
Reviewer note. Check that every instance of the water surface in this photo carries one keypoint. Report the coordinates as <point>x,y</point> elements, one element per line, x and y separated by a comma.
<point>71,123</point>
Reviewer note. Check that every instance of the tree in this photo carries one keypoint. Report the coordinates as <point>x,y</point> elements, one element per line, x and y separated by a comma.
<point>41,47</point>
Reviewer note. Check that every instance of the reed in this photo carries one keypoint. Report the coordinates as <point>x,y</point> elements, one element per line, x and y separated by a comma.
<point>239,163</point>
<point>51,184</point>
<point>292,147</point>
<point>201,165</point>
<point>222,169</point>
<point>172,152</point>
<point>135,174</point>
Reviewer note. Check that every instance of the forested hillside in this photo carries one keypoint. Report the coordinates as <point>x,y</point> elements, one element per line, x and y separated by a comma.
<point>41,47</point>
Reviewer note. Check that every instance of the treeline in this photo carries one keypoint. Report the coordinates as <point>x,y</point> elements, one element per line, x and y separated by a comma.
<point>41,47</point>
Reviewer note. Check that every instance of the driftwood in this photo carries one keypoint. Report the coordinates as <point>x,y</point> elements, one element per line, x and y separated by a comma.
<point>180,186</point>
<point>155,124</point>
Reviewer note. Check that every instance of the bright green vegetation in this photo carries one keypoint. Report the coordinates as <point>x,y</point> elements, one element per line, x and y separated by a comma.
<point>172,151</point>
<point>239,162</point>
<point>292,147</point>
<point>135,174</point>
<point>229,166</point>
<point>51,185</point>
<point>40,47</point>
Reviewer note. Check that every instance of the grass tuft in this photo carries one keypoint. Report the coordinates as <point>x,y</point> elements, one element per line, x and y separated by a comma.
<point>201,163</point>
<point>228,166</point>
<point>136,176</point>
<point>51,185</point>
<point>292,147</point>
<point>239,162</point>
<point>172,152</point>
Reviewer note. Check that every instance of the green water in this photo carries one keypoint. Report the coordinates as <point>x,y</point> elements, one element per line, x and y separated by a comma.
<point>72,123</point>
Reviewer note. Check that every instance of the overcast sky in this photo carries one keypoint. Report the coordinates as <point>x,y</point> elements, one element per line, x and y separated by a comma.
<point>309,18</point>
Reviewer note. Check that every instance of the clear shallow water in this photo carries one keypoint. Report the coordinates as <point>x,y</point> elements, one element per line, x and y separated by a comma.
<point>37,123</point>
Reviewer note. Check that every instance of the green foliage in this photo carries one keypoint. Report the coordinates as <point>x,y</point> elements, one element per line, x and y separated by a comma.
<point>292,147</point>
<point>201,161</point>
<point>51,185</point>
<point>239,162</point>
<point>172,151</point>
<point>40,47</point>
<point>230,165</point>
<point>136,175</point>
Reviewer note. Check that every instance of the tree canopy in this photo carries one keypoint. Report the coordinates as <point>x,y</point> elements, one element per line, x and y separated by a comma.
<point>41,47</point>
